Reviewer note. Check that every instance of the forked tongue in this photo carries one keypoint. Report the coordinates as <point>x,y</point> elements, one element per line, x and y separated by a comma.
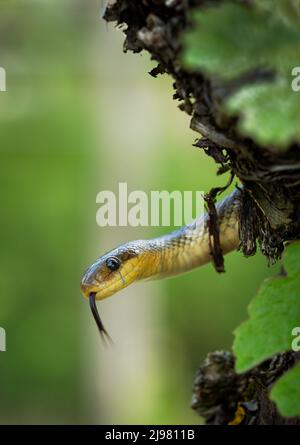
<point>103,332</point>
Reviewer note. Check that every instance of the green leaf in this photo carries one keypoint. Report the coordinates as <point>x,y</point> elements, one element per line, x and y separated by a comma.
<point>288,11</point>
<point>274,312</point>
<point>270,114</point>
<point>230,40</point>
<point>286,393</point>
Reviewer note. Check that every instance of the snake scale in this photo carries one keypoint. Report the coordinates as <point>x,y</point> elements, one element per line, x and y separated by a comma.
<point>171,254</point>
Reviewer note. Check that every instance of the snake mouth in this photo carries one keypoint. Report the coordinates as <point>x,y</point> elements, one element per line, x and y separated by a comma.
<point>103,332</point>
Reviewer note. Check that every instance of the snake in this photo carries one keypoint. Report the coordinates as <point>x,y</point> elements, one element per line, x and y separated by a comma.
<point>172,254</point>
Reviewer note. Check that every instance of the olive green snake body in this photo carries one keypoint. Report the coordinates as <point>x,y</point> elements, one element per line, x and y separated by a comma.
<point>171,254</point>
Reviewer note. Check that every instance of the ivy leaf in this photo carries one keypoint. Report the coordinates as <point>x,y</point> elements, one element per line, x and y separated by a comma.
<point>286,10</point>
<point>231,40</point>
<point>286,393</point>
<point>274,312</point>
<point>270,114</point>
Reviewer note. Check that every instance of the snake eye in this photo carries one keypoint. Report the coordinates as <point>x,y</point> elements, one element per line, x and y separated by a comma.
<point>113,263</point>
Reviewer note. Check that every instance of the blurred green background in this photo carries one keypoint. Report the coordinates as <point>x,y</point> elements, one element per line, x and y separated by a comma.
<point>79,117</point>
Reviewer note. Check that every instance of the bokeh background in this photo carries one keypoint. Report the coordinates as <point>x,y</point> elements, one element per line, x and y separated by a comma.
<point>78,117</point>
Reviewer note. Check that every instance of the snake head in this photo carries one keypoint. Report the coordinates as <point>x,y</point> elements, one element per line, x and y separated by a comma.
<point>114,271</point>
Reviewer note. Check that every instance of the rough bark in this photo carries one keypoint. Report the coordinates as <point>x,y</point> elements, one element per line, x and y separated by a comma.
<point>223,397</point>
<point>271,180</point>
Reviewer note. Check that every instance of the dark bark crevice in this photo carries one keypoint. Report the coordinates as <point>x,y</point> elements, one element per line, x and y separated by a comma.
<point>222,397</point>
